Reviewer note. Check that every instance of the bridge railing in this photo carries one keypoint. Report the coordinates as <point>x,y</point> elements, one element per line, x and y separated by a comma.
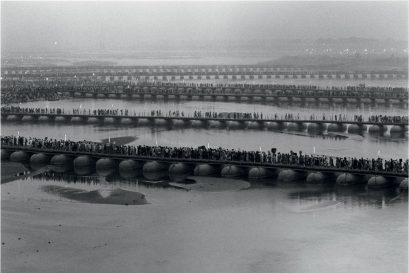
<point>213,156</point>
<point>189,160</point>
<point>224,116</point>
<point>273,94</point>
<point>160,84</point>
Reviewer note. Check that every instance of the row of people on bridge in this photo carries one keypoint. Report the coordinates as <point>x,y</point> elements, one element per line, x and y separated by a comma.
<point>183,72</point>
<point>109,67</point>
<point>212,114</point>
<point>215,154</point>
<point>26,95</point>
<point>180,72</point>
<point>269,86</point>
<point>93,86</point>
<point>153,70</point>
<point>32,110</point>
<point>207,114</point>
<point>127,84</point>
<point>18,95</point>
<point>388,119</point>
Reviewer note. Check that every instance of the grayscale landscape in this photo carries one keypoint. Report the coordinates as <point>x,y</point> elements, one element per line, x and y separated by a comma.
<point>204,137</point>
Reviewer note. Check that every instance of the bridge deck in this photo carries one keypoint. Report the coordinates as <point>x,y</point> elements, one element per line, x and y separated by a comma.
<point>221,119</point>
<point>219,69</point>
<point>249,95</point>
<point>207,161</point>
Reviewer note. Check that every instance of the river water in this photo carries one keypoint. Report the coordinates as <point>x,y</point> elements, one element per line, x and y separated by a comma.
<point>340,145</point>
<point>264,227</point>
<point>281,228</point>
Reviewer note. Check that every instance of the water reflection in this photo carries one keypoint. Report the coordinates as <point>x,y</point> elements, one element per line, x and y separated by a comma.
<point>354,196</point>
<point>383,136</point>
<point>338,144</point>
<point>94,179</point>
<point>308,197</point>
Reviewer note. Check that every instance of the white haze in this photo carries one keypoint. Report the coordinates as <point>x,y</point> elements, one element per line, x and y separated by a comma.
<point>132,25</point>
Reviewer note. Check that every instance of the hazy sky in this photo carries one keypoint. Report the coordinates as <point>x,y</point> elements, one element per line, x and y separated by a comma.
<point>39,25</point>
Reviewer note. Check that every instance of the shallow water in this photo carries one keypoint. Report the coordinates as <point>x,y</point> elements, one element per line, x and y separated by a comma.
<point>281,228</point>
<point>238,139</point>
<point>267,227</point>
<point>342,144</point>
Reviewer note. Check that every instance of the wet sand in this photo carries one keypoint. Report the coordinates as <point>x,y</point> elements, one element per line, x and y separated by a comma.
<point>114,197</point>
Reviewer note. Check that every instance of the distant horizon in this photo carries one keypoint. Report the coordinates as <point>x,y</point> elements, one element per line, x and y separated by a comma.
<point>187,45</point>
<point>91,25</point>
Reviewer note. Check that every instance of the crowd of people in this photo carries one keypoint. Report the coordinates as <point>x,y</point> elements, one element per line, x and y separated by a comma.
<point>31,110</point>
<point>212,154</point>
<point>207,114</point>
<point>388,119</point>
<point>231,115</point>
<point>24,94</point>
<point>226,85</point>
<point>186,73</point>
<point>266,89</point>
<point>51,90</point>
